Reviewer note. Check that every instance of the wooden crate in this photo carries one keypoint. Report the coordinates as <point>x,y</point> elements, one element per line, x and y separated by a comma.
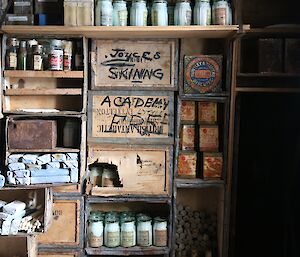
<point>60,252</point>
<point>139,168</point>
<point>11,246</point>
<point>131,117</point>
<point>67,228</point>
<point>129,64</point>
<point>44,198</point>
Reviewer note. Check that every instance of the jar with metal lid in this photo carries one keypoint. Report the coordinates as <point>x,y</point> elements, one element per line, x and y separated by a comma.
<point>96,171</point>
<point>202,13</point>
<point>112,230</point>
<point>68,55</point>
<point>160,232</point>
<point>138,13</point>
<point>56,55</point>
<point>128,231</point>
<point>104,13</point>
<point>159,13</point>
<point>144,230</point>
<point>22,56</point>
<point>120,13</point>
<point>95,229</point>
<point>220,12</point>
<point>11,54</point>
<point>37,57</point>
<point>183,13</point>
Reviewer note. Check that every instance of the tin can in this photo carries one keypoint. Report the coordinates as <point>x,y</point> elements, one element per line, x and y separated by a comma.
<point>188,137</point>
<point>207,112</point>
<point>212,165</point>
<point>56,55</point>
<point>187,163</point>
<point>208,138</point>
<point>188,111</point>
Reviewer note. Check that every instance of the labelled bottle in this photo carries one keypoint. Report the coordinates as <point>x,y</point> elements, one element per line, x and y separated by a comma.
<point>11,54</point>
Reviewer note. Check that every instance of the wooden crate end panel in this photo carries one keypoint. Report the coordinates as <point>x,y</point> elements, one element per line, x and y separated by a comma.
<point>48,208</point>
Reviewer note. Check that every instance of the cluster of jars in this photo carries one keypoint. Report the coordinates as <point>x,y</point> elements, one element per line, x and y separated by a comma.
<point>126,229</point>
<point>160,14</point>
<point>56,55</point>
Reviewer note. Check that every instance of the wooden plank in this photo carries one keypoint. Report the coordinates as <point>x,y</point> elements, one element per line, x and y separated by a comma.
<point>198,183</point>
<point>11,246</point>
<point>267,90</point>
<point>44,91</point>
<point>130,117</point>
<point>60,252</point>
<point>54,150</point>
<point>132,64</point>
<point>43,74</point>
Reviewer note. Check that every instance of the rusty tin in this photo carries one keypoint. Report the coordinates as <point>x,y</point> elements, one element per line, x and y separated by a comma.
<point>209,138</point>
<point>207,112</point>
<point>188,137</point>
<point>212,165</point>
<point>187,163</point>
<point>202,74</point>
<point>188,111</point>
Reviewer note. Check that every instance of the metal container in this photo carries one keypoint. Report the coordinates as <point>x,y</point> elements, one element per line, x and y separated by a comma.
<point>188,134</point>
<point>209,138</point>
<point>187,164</point>
<point>188,111</point>
<point>207,112</point>
<point>212,165</point>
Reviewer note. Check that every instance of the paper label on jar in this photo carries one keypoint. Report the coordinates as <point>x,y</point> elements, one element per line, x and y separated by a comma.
<point>67,62</point>
<point>220,16</point>
<point>112,239</point>
<point>106,19</point>
<point>37,62</point>
<point>95,241</point>
<point>160,238</point>
<point>13,60</point>
<point>143,238</point>
<point>127,239</point>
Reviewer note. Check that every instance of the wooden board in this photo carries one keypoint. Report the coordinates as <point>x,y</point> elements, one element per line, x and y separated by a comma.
<point>138,169</point>
<point>59,252</point>
<point>131,117</point>
<point>67,224</point>
<point>134,64</point>
<point>11,246</point>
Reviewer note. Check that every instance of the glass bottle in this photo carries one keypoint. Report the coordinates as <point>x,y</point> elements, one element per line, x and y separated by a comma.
<point>112,230</point>
<point>159,13</point>
<point>120,13</point>
<point>37,57</point>
<point>138,13</point>
<point>220,12</point>
<point>22,56</point>
<point>30,44</point>
<point>128,231</point>
<point>202,13</point>
<point>56,55</point>
<point>183,13</point>
<point>144,230</point>
<point>68,46</point>
<point>95,229</point>
<point>11,54</point>
<point>160,232</point>
<point>104,13</point>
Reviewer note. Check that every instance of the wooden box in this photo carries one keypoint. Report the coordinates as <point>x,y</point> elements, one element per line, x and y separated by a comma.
<point>187,164</point>
<point>31,134</point>
<point>202,74</point>
<point>270,54</point>
<point>212,165</point>
<point>11,246</point>
<point>147,64</point>
<point>142,170</point>
<point>131,117</point>
<point>292,55</point>
<point>209,138</point>
<point>67,227</point>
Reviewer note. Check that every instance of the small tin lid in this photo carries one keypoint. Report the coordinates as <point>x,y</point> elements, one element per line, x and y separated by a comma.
<point>143,217</point>
<point>96,216</point>
<point>159,219</point>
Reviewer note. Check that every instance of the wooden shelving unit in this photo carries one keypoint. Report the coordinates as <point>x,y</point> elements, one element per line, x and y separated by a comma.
<point>54,150</point>
<point>43,74</point>
<point>43,91</point>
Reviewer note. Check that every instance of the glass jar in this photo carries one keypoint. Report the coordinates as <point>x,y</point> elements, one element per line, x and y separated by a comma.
<point>95,229</point>
<point>11,54</point>
<point>128,231</point>
<point>30,44</point>
<point>120,14</point>
<point>138,13</point>
<point>56,55</point>
<point>112,230</point>
<point>96,171</point>
<point>159,13</point>
<point>202,13</point>
<point>104,13</point>
<point>144,230</point>
<point>171,14</point>
<point>37,57</point>
<point>22,56</point>
<point>68,55</point>
<point>70,12</point>
<point>183,13</point>
<point>221,12</point>
<point>160,232</point>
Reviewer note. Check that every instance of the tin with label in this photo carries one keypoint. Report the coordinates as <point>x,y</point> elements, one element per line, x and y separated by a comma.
<point>187,164</point>
<point>188,111</point>
<point>207,112</point>
<point>188,137</point>
<point>209,138</point>
<point>212,165</point>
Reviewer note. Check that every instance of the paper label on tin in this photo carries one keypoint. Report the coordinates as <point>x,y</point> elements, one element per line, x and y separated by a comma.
<point>209,139</point>
<point>143,238</point>
<point>207,112</point>
<point>212,167</point>
<point>18,18</point>
<point>188,138</point>
<point>160,237</point>
<point>188,111</point>
<point>127,239</point>
<point>187,164</point>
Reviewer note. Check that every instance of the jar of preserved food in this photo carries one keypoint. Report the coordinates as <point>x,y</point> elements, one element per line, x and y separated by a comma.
<point>183,13</point>
<point>22,56</point>
<point>202,13</point>
<point>120,14</point>
<point>138,13</point>
<point>221,12</point>
<point>160,232</point>
<point>104,13</point>
<point>159,13</point>
<point>95,229</point>
<point>112,230</point>
<point>128,231</point>
<point>144,230</point>
<point>56,55</point>
<point>109,176</point>
<point>68,47</point>
<point>11,54</point>
<point>37,57</point>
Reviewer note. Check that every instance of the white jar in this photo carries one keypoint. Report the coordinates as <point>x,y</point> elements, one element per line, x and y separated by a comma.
<point>138,13</point>
<point>95,230</point>
<point>128,232</point>
<point>104,13</point>
<point>183,13</point>
<point>202,13</point>
<point>111,231</point>
<point>220,12</point>
<point>159,13</point>
<point>70,10</point>
<point>144,230</point>
<point>160,232</point>
<point>120,14</point>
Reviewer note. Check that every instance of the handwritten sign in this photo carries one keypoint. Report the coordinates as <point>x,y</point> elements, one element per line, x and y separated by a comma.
<point>133,63</point>
<point>130,116</point>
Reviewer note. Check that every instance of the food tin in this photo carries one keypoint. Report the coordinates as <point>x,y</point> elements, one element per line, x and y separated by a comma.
<point>188,111</point>
<point>207,112</point>
<point>187,163</point>
<point>209,138</point>
<point>212,165</point>
<point>188,137</point>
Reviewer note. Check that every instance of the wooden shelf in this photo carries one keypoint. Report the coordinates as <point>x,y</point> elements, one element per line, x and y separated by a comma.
<point>43,91</point>
<point>121,251</point>
<point>112,32</point>
<point>35,186</point>
<point>47,114</point>
<point>43,74</point>
<point>55,150</point>
<point>211,98</point>
<point>149,199</point>
<point>197,183</point>
<point>279,30</point>
<point>267,90</point>
<point>269,75</point>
